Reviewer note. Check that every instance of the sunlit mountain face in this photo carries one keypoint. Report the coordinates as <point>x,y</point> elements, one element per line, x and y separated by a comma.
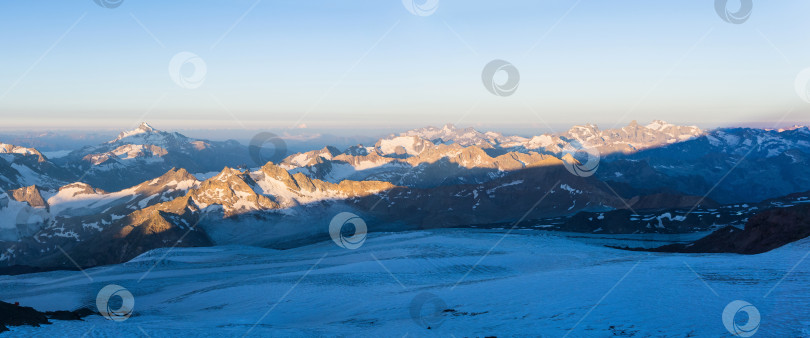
<point>404,168</point>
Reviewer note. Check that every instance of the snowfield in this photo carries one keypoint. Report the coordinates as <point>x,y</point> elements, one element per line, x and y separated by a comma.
<point>533,283</point>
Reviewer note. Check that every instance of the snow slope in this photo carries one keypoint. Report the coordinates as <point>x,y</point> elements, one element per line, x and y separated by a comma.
<point>533,283</point>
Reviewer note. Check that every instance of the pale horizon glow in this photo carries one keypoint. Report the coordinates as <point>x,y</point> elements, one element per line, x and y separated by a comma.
<point>371,67</point>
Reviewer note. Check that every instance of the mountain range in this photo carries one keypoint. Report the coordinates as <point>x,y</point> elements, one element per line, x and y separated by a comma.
<point>148,188</point>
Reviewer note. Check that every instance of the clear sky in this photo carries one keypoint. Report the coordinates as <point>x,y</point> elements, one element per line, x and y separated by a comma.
<point>366,64</point>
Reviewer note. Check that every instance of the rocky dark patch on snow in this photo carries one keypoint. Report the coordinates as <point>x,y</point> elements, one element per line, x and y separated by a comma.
<point>16,315</point>
<point>764,232</point>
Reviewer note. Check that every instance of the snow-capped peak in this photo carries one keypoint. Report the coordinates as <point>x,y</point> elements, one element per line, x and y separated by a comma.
<point>659,125</point>
<point>411,145</point>
<point>12,149</point>
<point>145,127</point>
<point>795,127</point>
<point>142,129</point>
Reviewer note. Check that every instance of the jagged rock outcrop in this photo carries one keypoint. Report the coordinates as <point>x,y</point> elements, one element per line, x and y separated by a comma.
<point>29,195</point>
<point>234,190</point>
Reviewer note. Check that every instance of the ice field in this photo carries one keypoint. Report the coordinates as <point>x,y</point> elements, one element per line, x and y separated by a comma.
<point>527,283</point>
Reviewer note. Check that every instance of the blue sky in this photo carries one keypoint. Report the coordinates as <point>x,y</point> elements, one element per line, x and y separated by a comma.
<point>371,64</point>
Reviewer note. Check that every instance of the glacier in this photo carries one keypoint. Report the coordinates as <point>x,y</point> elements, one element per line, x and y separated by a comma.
<point>489,283</point>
